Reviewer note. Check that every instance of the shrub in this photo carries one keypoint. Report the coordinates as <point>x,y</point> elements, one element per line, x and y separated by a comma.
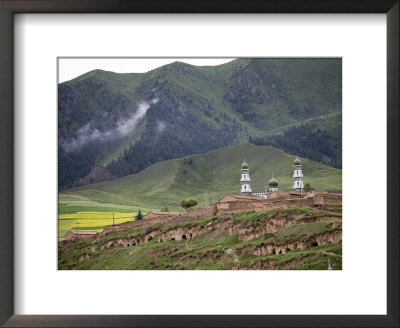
<point>139,215</point>
<point>188,203</point>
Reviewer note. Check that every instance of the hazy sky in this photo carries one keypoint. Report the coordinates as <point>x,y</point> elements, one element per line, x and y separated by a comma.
<point>70,68</point>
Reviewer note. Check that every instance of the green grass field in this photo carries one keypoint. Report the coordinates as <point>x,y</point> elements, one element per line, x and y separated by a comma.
<point>217,173</point>
<point>90,216</point>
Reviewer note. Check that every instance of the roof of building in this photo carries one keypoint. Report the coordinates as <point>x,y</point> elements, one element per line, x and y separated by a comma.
<point>297,162</point>
<point>245,166</point>
<point>243,197</point>
<point>273,182</point>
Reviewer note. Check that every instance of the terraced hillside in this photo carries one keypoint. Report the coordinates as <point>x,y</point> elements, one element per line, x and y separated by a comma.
<point>291,239</point>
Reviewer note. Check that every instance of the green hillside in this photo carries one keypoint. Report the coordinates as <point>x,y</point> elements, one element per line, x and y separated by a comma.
<point>216,172</point>
<point>285,239</point>
<point>189,110</point>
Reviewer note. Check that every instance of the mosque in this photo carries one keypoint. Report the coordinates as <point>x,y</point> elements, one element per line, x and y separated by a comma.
<point>272,183</point>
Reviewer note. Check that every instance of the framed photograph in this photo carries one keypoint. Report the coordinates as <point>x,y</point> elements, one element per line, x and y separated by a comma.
<point>191,162</point>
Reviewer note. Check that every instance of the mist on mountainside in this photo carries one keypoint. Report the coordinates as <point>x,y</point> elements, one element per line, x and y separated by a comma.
<point>119,124</point>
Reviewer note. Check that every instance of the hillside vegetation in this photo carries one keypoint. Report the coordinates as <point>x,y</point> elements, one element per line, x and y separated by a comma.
<point>295,239</point>
<point>216,173</point>
<point>306,140</point>
<point>112,125</point>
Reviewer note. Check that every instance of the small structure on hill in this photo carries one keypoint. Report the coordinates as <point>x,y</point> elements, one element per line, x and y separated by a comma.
<point>245,179</point>
<point>79,234</point>
<point>278,200</point>
<point>297,175</point>
<point>272,185</point>
<point>152,215</point>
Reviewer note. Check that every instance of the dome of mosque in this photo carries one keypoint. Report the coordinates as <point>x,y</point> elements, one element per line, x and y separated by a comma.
<point>273,183</point>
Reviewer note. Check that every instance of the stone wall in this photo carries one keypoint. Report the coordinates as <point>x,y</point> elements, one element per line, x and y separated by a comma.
<point>202,211</point>
<point>223,206</point>
<point>269,205</point>
<point>327,199</point>
<point>289,203</point>
<point>283,200</point>
<point>278,194</point>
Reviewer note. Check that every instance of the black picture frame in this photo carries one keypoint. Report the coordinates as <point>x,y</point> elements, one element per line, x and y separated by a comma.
<point>7,10</point>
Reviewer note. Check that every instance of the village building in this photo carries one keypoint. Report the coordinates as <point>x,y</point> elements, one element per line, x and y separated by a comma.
<point>279,200</point>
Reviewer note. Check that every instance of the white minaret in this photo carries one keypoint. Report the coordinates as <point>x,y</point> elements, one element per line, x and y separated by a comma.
<point>297,175</point>
<point>245,179</point>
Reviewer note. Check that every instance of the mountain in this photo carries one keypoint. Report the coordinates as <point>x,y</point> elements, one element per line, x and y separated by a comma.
<point>216,173</point>
<point>113,125</point>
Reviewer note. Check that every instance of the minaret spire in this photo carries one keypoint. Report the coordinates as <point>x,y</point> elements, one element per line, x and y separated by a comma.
<point>245,179</point>
<point>297,175</point>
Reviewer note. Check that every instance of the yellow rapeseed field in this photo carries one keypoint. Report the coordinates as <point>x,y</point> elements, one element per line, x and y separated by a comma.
<point>92,221</point>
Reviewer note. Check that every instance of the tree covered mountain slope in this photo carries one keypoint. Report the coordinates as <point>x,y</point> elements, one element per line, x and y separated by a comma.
<point>306,140</point>
<point>113,125</point>
<point>216,173</point>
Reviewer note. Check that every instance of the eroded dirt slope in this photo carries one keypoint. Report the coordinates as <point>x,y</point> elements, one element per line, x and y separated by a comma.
<point>303,238</point>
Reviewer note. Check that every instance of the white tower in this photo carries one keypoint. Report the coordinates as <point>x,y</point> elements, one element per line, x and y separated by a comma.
<point>297,175</point>
<point>245,179</point>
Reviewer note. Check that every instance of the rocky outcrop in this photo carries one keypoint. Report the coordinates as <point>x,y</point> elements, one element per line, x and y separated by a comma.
<point>229,226</point>
<point>331,237</point>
